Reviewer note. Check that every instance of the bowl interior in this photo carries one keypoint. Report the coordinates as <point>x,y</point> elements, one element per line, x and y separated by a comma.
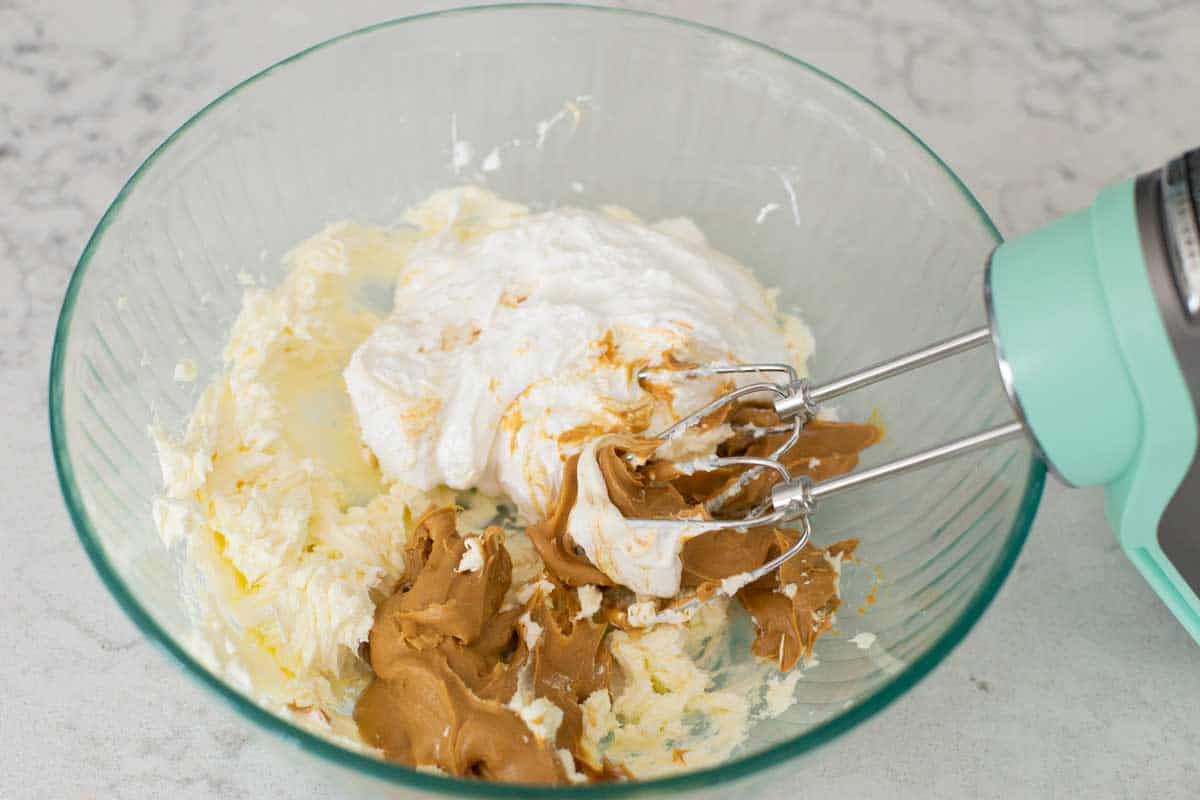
<point>863,230</point>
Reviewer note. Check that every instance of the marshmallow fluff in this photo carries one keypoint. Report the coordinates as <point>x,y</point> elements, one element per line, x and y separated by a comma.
<point>507,352</point>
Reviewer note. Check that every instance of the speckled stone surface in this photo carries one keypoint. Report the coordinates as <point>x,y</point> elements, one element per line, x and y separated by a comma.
<point>1077,682</point>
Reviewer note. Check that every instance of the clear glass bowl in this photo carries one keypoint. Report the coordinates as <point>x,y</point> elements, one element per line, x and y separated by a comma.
<point>864,230</point>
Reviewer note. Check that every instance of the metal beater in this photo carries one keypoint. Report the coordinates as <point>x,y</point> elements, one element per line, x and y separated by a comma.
<point>796,401</point>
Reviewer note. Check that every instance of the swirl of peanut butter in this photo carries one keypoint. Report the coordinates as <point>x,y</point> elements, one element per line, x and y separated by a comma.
<point>445,660</point>
<point>562,558</point>
<point>448,660</point>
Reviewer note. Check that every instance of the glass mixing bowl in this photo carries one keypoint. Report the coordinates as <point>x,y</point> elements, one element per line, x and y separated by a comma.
<point>863,229</point>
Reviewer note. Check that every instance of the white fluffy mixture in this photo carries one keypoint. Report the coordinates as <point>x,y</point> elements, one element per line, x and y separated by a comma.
<point>504,352</point>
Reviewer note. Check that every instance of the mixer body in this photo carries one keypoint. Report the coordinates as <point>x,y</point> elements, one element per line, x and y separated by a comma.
<point>1093,322</point>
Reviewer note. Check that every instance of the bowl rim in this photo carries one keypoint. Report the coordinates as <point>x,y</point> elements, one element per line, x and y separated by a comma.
<point>736,768</point>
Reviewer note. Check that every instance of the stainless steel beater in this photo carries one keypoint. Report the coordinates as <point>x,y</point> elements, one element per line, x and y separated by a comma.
<point>796,401</point>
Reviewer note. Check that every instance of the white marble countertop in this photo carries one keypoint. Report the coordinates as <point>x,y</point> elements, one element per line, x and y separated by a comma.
<point>1077,682</point>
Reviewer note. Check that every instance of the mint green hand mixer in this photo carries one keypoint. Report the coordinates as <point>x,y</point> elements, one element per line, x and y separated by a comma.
<point>1095,323</point>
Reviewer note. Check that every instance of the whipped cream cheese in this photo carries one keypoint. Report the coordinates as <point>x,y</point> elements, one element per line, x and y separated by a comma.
<point>590,599</point>
<point>506,352</point>
<point>666,691</point>
<point>287,529</point>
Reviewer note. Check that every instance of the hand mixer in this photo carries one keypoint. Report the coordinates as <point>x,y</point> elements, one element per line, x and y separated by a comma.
<point>1095,325</point>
